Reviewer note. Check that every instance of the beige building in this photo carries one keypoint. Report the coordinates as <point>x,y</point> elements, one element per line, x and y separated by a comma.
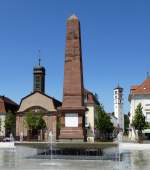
<point>90,101</point>
<point>37,103</point>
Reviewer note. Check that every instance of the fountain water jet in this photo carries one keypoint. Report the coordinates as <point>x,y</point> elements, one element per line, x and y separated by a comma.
<point>50,135</point>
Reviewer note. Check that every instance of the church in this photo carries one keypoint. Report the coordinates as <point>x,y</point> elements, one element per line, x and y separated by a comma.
<point>35,103</point>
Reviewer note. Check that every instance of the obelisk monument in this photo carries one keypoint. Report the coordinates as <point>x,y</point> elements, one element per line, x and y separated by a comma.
<point>72,111</point>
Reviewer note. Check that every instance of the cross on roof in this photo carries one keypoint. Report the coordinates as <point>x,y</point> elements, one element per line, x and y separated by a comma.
<point>39,57</point>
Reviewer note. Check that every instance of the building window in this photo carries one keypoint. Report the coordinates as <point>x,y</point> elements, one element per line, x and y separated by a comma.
<point>86,120</point>
<point>37,82</point>
<point>148,116</point>
<point>37,85</point>
<point>85,98</point>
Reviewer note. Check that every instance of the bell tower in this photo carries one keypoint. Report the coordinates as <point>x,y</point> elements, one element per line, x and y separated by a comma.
<point>72,111</point>
<point>39,78</point>
<point>118,106</point>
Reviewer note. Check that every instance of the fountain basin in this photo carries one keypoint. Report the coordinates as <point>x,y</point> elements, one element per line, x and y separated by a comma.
<point>7,145</point>
<point>134,146</point>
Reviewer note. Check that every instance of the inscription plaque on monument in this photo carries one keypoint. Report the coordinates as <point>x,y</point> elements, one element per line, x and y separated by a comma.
<point>71,120</point>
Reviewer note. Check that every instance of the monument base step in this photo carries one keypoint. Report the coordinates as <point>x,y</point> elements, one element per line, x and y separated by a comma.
<point>71,133</point>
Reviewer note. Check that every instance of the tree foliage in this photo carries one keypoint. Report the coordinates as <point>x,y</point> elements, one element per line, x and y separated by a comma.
<point>126,122</point>
<point>102,120</point>
<point>10,122</point>
<point>96,98</point>
<point>147,125</point>
<point>139,119</point>
<point>35,121</point>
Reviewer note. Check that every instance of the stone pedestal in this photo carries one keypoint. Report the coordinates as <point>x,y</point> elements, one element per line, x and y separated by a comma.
<point>72,125</point>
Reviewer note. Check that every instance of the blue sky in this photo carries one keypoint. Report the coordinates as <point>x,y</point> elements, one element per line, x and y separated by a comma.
<point>115,45</point>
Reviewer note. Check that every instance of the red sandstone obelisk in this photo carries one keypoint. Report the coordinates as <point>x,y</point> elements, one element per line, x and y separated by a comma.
<point>72,111</point>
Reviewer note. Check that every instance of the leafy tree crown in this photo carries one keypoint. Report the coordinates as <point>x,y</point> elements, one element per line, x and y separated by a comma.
<point>102,120</point>
<point>35,122</point>
<point>139,118</point>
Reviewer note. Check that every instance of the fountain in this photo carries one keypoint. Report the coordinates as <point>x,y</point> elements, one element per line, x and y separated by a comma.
<point>119,140</point>
<point>120,137</point>
<point>50,135</point>
<point>8,142</point>
<point>21,137</point>
<point>11,137</point>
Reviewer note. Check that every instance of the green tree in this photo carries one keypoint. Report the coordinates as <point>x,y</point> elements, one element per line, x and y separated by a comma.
<point>96,98</point>
<point>103,122</point>
<point>138,121</point>
<point>35,124</point>
<point>126,123</point>
<point>10,123</point>
<point>147,125</point>
<point>35,121</point>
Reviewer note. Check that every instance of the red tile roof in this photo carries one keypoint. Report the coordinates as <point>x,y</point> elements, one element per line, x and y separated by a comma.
<point>91,98</point>
<point>143,88</point>
<point>6,103</point>
<point>2,106</point>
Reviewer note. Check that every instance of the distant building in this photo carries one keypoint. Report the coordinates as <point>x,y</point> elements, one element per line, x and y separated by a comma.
<point>37,102</point>
<point>140,94</point>
<point>113,119</point>
<point>118,106</point>
<point>6,105</point>
<point>90,101</point>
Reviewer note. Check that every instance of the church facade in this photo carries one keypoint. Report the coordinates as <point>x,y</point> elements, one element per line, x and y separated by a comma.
<point>35,103</point>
